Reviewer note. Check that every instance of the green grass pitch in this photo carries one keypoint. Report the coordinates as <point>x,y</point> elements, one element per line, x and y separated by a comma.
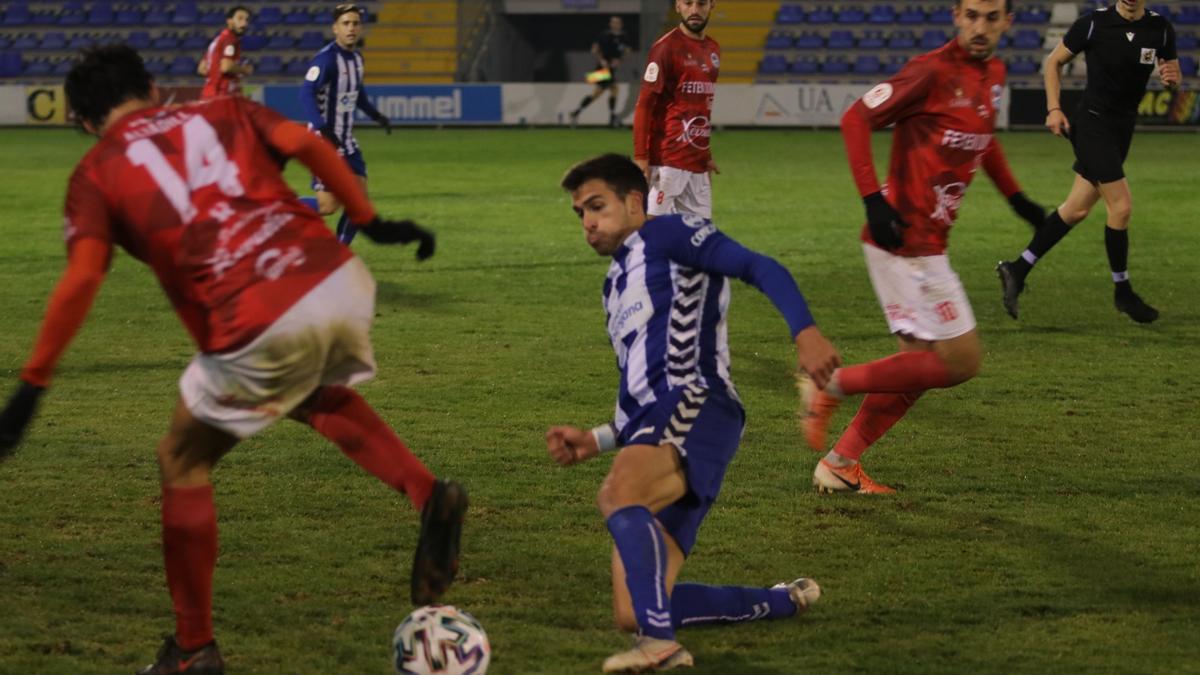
<point>1047,521</point>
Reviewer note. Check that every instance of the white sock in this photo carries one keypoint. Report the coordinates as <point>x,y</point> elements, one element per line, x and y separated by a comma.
<point>834,388</point>
<point>837,460</point>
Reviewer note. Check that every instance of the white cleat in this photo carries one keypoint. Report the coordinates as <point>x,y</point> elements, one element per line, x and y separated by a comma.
<point>649,654</point>
<point>804,592</point>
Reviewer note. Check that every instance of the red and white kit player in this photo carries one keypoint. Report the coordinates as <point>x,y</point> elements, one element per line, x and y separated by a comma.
<point>222,66</point>
<point>672,122</point>
<point>279,309</point>
<point>944,105</point>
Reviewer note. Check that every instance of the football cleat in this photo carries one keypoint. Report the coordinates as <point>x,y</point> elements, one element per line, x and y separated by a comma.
<point>804,592</point>
<point>436,561</point>
<point>172,659</point>
<point>1011,284</point>
<point>1132,304</point>
<point>649,654</point>
<point>829,478</point>
<point>816,409</point>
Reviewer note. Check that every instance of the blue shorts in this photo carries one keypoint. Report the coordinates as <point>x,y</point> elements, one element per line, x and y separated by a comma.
<point>705,427</point>
<point>357,164</point>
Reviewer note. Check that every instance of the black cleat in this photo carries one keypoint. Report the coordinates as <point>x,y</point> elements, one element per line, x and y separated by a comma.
<point>436,560</point>
<point>1011,284</point>
<point>172,659</point>
<point>1132,304</point>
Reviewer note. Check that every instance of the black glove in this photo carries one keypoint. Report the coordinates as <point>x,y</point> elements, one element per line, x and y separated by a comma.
<point>1029,211</point>
<point>17,414</point>
<point>400,232</point>
<point>327,132</point>
<point>884,222</point>
<point>384,122</point>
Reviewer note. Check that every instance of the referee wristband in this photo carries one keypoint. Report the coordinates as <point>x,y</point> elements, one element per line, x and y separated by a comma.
<point>606,437</point>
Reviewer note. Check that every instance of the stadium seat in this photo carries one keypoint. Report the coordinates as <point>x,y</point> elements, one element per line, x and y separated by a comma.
<point>269,65</point>
<point>156,66</point>
<point>773,64</point>
<point>872,39</point>
<point>128,16</point>
<point>1164,10</point>
<point>821,15</point>
<point>809,41</point>
<point>911,16</point>
<point>182,65</point>
<point>281,42</point>
<point>53,41</point>
<point>139,40</point>
<point>269,16</point>
<point>1022,65</point>
<point>1189,15</point>
<point>867,64</point>
<point>296,67</point>
<point>805,65</point>
<point>215,18</point>
<point>38,68</point>
<point>882,14</point>
<point>10,64</point>
<point>852,15</point>
<point>5,43</point>
<point>324,17</point>
<point>776,39</point>
<point>156,16</point>
<point>101,14</point>
<point>254,42</point>
<point>894,64</point>
<point>61,67</point>
<point>1032,15</point>
<point>902,39</point>
<point>166,41</point>
<point>1187,65</point>
<point>789,14</point>
<point>194,42</point>
<point>1027,38</point>
<point>25,42</point>
<point>17,14</point>
<point>840,39</point>
<point>71,18</point>
<point>1186,42</point>
<point>835,65</point>
<point>185,14</point>
<point>941,15</point>
<point>312,41</point>
<point>297,17</point>
<point>932,39</point>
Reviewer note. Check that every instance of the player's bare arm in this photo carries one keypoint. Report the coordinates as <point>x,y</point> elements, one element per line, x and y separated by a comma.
<point>229,66</point>
<point>1056,119</point>
<point>816,355</point>
<point>1169,73</point>
<point>569,445</point>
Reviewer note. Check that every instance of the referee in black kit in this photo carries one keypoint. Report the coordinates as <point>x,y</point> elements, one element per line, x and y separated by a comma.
<point>1124,42</point>
<point>608,49</point>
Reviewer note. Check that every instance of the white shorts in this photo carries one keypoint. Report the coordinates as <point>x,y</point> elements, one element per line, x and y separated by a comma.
<point>323,339</point>
<point>921,297</point>
<point>677,191</point>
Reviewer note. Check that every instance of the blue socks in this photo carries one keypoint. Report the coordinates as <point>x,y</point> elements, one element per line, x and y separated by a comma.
<point>310,202</point>
<point>345,231</point>
<point>696,604</point>
<point>644,554</point>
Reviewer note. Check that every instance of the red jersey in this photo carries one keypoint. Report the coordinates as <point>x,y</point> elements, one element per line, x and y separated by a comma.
<point>196,193</point>
<point>227,45</point>
<point>944,105</point>
<point>672,125</point>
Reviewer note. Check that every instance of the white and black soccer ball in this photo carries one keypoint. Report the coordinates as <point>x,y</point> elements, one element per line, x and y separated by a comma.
<point>442,640</point>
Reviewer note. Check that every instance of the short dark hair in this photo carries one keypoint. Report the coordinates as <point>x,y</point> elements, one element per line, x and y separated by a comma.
<point>618,171</point>
<point>104,78</point>
<point>1008,6</point>
<point>238,8</point>
<point>346,8</point>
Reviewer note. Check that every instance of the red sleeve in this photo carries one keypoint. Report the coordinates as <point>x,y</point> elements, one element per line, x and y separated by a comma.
<point>87,264</point>
<point>653,84</point>
<point>997,169</point>
<point>856,134</point>
<point>294,140</point>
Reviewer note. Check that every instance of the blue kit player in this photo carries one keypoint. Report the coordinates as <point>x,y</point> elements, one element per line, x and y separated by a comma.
<point>332,91</point>
<point>678,417</point>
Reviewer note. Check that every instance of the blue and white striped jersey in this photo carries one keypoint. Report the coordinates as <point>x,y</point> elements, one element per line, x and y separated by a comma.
<point>332,91</point>
<point>667,298</point>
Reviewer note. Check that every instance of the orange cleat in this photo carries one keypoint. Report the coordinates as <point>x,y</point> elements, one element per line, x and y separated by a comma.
<point>816,409</point>
<point>829,478</point>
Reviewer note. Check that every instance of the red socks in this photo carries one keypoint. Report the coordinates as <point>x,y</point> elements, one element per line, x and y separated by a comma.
<point>899,373</point>
<point>344,417</point>
<point>189,537</point>
<point>877,414</point>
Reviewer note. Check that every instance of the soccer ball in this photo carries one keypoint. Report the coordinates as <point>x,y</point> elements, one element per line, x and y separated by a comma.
<point>440,639</point>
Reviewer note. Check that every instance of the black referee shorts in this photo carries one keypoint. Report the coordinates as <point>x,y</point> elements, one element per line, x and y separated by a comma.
<point>1101,145</point>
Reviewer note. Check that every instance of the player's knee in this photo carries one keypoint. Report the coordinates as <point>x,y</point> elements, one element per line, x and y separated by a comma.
<point>1119,213</point>
<point>1072,215</point>
<point>963,365</point>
